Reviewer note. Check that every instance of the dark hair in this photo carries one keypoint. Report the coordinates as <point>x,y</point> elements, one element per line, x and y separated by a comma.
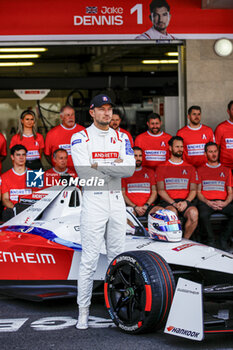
<point>230,104</point>
<point>17,148</point>
<point>175,138</point>
<point>153,116</point>
<point>159,3</point>
<point>193,107</point>
<point>208,144</point>
<point>136,148</point>
<point>27,111</point>
<point>118,112</point>
<point>66,106</point>
<point>59,150</point>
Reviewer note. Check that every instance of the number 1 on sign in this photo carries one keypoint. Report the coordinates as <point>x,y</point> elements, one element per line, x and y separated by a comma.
<point>137,8</point>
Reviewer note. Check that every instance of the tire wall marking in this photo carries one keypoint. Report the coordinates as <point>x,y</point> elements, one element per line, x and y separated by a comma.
<point>165,283</point>
<point>148,297</point>
<point>106,295</point>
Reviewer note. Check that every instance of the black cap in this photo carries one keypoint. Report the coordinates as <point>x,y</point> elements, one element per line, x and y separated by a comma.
<point>100,100</point>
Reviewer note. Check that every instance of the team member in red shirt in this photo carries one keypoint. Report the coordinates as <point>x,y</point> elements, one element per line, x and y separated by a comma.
<point>29,137</point>
<point>115,124</point>
<point>139,190</point>
<point>224,138</point>
<point>176,183</point>
<point>14,181</point>
<point>215,194</point>
<point>59,171</point>
<point>3,150</point>
<point>195,136</point>
<point>153,142</point>
<point>59,136</point>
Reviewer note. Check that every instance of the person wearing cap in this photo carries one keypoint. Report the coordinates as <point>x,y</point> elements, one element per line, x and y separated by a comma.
<point>59,136</point>
<point>100,152</point>
<point>160,17</point>
<point>115,124</point>
<point>29,137</point>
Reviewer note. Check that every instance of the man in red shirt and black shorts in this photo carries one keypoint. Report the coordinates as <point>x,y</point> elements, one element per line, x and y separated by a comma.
<point>215,194</point>
<point>176,184</point>
<point>139,190</point>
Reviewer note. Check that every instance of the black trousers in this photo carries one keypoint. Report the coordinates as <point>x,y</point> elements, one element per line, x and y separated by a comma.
<point>204,214</point>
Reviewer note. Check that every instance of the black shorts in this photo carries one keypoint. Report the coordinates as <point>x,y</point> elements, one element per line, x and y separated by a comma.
<point>165,204</point>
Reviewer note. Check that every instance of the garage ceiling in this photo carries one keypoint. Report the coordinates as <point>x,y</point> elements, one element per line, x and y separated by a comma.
<point>93,67</point>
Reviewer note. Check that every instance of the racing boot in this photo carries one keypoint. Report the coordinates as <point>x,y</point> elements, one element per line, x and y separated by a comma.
<point>83,318</point>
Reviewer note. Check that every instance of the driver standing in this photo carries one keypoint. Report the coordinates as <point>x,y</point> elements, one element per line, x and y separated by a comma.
<point>99,151</point>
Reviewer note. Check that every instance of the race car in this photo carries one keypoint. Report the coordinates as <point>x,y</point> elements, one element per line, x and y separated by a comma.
<point>40,251</point>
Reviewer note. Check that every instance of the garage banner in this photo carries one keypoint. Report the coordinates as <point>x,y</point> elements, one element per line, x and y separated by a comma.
<point>112,19</point>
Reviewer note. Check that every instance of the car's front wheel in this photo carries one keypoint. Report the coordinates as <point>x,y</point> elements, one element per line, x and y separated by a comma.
<point>138,290</point>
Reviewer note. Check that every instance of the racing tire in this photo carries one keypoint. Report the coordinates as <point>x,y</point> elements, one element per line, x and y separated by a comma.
<point>138,291</point>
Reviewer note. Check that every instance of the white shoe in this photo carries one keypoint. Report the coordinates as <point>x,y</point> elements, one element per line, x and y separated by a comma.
<point>83,318</point>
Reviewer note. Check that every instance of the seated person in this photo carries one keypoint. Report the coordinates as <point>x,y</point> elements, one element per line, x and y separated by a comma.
<point>139,190</point>
<point>176,184</point>
<point>215,194</point>
<point>60,170</point>
<point>14,181</point>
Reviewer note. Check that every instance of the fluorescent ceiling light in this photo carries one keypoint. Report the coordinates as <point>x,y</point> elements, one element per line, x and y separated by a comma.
<point>34,55</point>
<point>23,49</point>
<point>160,61</point>
<point>172,54</point>
<point>16,64</point>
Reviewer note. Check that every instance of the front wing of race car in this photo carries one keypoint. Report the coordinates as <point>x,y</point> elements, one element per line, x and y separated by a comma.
<point>187,317</point>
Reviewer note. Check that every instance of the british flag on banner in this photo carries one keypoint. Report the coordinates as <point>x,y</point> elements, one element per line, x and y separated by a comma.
<point>91,9</point>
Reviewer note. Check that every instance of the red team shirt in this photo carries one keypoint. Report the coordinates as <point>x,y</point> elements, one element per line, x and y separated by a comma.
<point>33,145</point>
<point>214,181</point>
<point>177,178</point>
<point>138,186</point>
<point>155,148</point>
<point>15,184</point>
<point>224,138</point>
<point>3,151</point>
<point>59,137</point>
<point>194,143</point>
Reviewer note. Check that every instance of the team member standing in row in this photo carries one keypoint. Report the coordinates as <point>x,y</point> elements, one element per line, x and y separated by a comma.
<point>29,137</point>
<point>153,142</point>
<point>59,136</point>
<point>224,138</point>
<point>195,136</point>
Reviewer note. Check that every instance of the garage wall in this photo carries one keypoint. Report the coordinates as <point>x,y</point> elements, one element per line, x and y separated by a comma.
<point>209,81</point>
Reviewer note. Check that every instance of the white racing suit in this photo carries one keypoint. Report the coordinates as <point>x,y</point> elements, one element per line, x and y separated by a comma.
<point>103,213</point>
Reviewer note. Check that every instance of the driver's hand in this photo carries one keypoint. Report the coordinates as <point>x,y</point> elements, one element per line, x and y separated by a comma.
<point>118,160</point>
<point>94,165</point>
